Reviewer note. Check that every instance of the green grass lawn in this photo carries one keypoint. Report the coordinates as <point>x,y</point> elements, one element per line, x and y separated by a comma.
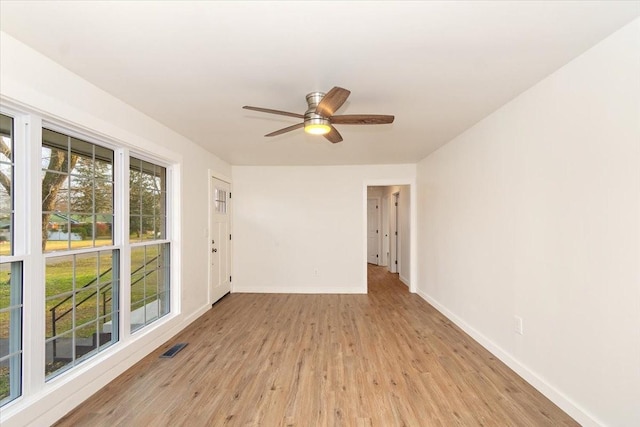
<point>4,382</point>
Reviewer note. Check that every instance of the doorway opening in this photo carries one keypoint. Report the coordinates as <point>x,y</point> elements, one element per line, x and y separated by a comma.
<point>389,229</point>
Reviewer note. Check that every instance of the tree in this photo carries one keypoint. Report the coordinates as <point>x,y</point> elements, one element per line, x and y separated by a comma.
<point>145,201</point>
<point>89,194</point>
<point>5,180</point>
<point>51,184</point>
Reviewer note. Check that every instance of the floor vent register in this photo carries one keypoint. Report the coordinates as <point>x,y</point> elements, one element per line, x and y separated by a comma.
<point>174,350</point>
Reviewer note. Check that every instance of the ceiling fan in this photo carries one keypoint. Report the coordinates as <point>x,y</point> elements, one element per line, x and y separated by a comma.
<point>319,117</point>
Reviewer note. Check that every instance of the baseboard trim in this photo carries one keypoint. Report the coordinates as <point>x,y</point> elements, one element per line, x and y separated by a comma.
<point>404,280</point>
<point>301,290</point>
<point>578,413</point>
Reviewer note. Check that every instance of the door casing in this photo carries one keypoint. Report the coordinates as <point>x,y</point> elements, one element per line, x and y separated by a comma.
<point>373,231</point>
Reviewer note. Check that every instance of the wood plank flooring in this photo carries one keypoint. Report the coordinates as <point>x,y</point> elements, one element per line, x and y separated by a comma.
<point>382,359</point>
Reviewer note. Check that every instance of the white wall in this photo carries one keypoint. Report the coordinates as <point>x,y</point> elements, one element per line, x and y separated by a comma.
<point>291,222</point>
<point>31,81</point>
<point>535,212</point>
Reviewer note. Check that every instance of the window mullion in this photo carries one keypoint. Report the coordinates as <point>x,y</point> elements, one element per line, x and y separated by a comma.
<point>28,214</point>
<point>121,224</point>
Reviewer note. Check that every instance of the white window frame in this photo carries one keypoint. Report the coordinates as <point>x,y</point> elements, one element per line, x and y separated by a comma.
<point>28,124</point>
<point>115,247</point>
<point>18,244</point>
<point>173,309</point>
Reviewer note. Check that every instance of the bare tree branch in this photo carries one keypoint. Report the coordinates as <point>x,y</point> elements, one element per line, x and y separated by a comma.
<point>5,149</point>
<point>5,181</point>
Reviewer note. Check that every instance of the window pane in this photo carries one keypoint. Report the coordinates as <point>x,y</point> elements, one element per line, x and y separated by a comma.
<point>58,320</point>
<point>6,132</point>
<point>81,194</point>
<point>81,148</point>
<point>150,199</point>
<point>160,225</point>
<point>103,196</point>
<point>77,185</point>
<point>6,232</point>
<point>86,305</point>
<point>55,150</point>
<point>82,306</point>
<point>105,296</point>
<point>135,228</point>
<point>6,185</point>
<point>82,232</point>
<point>220,200</point>
<point>147,201</point>
<point>86,339</point>
<point>4,332</point>
<point>104,230</point>
<point>135,192</point>
<point>10,331</point>
<point>103,167</point>
<point>149,228</point>
<point>59,354</point>
<point>105,326</point>
<point>149,284</point>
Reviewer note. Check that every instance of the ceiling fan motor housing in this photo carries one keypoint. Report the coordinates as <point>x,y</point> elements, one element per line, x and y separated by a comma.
<point>311,118</point>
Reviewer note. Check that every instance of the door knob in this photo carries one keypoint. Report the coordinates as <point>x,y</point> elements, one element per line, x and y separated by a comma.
<point>214,250</point>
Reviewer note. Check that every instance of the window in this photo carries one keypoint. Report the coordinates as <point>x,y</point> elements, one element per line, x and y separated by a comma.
<point>77,193</point>
<point>10,274</point>
<point>10,330</point>
<point>6,187</point>
<point>70,266</point>
<point>149,284</point>
<point>150,263</point>
<point>81,272</point>
<point>147,201</point>
<point>220,200</point>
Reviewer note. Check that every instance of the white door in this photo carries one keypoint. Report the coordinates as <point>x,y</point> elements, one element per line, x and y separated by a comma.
<point>394,247</point>
<point>219,240</point>
<point>372,231</point>
<point>384,213</point>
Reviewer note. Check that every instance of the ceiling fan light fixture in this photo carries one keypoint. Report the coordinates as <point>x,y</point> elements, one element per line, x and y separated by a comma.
<point>315,124</point>
<point>317,129</point>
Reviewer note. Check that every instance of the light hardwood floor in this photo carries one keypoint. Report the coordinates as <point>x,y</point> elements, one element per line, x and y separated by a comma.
<point>382,359</point>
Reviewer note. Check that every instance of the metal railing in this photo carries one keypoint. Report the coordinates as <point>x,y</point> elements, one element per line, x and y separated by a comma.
<point>105,300</point>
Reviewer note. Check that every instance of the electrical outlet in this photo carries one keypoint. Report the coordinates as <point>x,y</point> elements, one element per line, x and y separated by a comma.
<point>315,272</point>
<point>518,327</point>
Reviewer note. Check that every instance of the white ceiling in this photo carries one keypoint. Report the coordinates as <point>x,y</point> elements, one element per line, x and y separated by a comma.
<point>439,67</point>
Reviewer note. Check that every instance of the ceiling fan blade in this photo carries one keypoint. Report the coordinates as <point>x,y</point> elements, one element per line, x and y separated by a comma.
<point>362,119</point>
<point>268,110</point>
<point>332,101</point>
<point>333,135</point>
<point>285,130</point>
